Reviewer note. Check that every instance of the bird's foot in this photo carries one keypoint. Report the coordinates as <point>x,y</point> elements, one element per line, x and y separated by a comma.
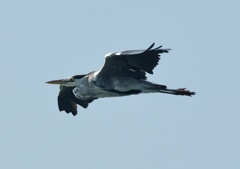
<point>184,92</point>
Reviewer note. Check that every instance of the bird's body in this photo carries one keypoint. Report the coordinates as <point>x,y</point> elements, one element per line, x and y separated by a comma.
<point>124,73</point>
<point>91,87</point>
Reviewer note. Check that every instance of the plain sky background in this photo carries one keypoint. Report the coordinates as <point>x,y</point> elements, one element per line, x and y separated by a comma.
<point>53,39</point>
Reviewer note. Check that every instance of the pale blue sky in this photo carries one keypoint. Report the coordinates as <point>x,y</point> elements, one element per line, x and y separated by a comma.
<point>53,39</point>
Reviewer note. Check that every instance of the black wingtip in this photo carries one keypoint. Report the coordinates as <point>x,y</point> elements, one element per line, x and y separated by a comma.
<point>157,48</point>
<point>64,104</point>
<point>150,47</point>
<point>74,113</point>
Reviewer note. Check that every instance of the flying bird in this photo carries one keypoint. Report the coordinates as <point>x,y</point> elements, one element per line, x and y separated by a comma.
<point>123,74</point>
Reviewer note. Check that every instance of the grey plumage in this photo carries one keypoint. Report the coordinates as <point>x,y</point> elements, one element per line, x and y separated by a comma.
<point>123,73</point>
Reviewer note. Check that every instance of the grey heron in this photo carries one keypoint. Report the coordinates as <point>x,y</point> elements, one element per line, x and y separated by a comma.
<point>123,74</point>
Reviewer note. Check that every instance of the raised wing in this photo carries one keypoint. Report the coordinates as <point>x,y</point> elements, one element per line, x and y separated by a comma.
<point>68,102</point>
<point>134,63</point>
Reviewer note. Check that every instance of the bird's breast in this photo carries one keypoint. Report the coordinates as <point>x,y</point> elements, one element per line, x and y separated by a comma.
<point>86,89</point>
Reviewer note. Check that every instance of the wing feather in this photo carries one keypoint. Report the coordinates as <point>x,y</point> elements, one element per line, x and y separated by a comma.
<point>134,63</point>
<point>68,102</point>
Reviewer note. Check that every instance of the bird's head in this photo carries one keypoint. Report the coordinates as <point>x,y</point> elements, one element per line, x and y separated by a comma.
<point>68,82</point>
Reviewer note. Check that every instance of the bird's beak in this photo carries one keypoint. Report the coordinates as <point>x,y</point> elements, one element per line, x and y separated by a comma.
<point>61,81</point>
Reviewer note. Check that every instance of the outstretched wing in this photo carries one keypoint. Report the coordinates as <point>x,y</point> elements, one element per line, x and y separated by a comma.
<point>68,102</point>
<point>134,63</point>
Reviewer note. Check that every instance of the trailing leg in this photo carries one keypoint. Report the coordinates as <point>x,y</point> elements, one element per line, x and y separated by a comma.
<point>180,91</point>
